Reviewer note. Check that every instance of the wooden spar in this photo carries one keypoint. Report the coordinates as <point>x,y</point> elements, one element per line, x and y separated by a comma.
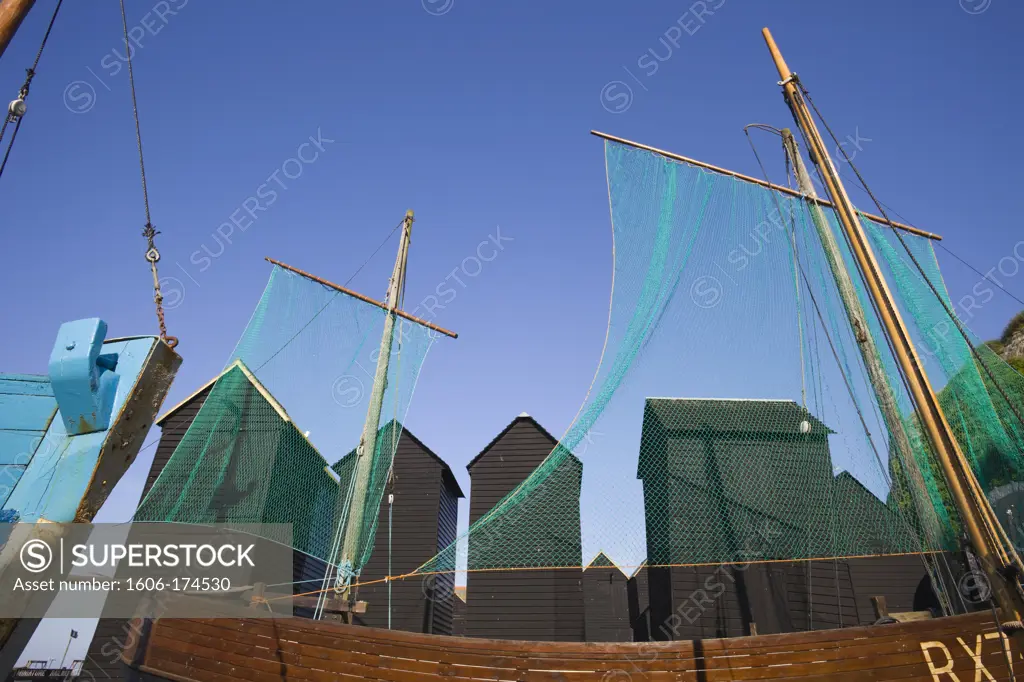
<point>353,533</point>
<point>366,299</point>
<point>12,13</point>
<point>763,183</point>
<point>979,519</point>
<point>865,343</point>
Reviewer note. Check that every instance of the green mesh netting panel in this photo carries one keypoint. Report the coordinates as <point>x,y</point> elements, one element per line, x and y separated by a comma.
<point>293,400</point>
<point>983,400</point>
<point>731,418</point>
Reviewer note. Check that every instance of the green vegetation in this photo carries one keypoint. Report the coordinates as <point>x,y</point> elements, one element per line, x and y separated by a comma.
<point>982,403</point>
<point>1016,326</point>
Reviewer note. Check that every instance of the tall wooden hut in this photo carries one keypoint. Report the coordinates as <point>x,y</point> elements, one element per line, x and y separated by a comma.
<point>706,487</point>
<point>424,521</point>
<point>540,604</point>
<point>259,418</point>
<point>606,602</point>
<point>418,518</point>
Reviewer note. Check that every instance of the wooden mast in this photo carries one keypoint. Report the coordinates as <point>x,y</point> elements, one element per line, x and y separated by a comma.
<point>12,13</point>
<point>979,520</point>
<point>865,343</point>
<point>353,533</point>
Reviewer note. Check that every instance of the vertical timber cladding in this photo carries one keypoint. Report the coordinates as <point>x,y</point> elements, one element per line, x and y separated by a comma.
<point>424,522</point>
<point>535,605</point>
<point>459,612</point>
<point>726,600</point>
<point>606,602</point>
<point>426,505</point>
<point>638,594</point>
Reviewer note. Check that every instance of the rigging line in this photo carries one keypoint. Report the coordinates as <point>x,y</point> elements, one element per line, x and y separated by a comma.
<point>1003,289</point>
<point>796,254</point>
<point>849,387</point>
<point>903,379</point>
<point>14,112</point>
<point>944,247</point>
<point>343,521</point>
<point>828,337</point>
<point>331,299</point>
<point>997,534</point>
<point>149,232</point>
<point>920,269</point>
<point>14,136</point>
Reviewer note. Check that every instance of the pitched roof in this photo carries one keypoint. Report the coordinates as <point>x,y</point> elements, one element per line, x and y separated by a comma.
<point>733,415</point>
<point>524,417</point>
<point>387,428</point>
<point>602,561</point>
<point>240,366</point>
<point>237,363</point>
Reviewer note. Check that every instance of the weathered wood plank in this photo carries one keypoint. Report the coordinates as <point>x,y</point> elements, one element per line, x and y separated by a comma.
<point>449,658</point>
<point>26,384</point>
<point>17,447</point>
<point>26,412</point>
<point>10,474</point>
<point>293,649</point>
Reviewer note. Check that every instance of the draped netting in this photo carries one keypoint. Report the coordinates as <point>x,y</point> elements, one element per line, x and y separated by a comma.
<point>733,416</point>
<point>981,395</point>
<point>292,401</point>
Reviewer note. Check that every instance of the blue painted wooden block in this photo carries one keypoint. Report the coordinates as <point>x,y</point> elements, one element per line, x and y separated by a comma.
<point>61,467</point>
<point>83,379</point>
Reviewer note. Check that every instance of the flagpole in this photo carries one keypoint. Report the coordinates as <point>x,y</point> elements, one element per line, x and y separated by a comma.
<point>72,636</point>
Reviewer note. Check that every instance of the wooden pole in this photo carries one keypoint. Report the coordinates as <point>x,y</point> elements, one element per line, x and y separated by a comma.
<point>746,178</point>
<point>869,352</point>
<point>12,13</point>
<point>974,509</point>
<point>366,299</point>
<point>352,539</point>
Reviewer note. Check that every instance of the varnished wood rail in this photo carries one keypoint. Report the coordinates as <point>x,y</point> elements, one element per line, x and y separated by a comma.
<point>298,649</point>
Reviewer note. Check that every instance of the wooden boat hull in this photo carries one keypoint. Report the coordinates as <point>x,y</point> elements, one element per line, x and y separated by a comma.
<point>954,649</point>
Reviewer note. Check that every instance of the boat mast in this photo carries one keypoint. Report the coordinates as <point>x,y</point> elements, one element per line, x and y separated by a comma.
<point>858,321</point>
<point>12,13</point>
<point>368,441</point>
<point>982,527</point>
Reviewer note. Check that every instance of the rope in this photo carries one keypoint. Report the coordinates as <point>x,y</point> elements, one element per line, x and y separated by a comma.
<point>977,271</point>
<point>795,252</point>
<point>931,285</point>
<point>842,371</point>
<point>345,573</point>
<point>998,534</point>
<point>149,232</point>
<point>945,248</point>
<point>13,112</point>
<point>419,574</point>
<point>331,300</point>
<point>937,584</point>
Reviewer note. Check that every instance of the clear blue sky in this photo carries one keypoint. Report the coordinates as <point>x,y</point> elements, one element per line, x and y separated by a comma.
<point>476,115</point>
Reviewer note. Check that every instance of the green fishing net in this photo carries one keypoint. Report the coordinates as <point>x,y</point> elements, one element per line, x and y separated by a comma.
<point>733,417</point>
<point>292,401</point>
